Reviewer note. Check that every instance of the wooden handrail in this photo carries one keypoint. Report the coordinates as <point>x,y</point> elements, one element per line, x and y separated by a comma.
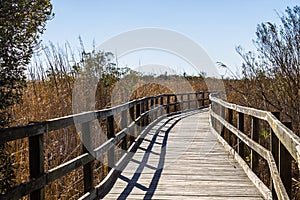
<point>37,128</point>
<point>267,155</point>
<point>286,139</point>
<point>289,139</point>
<point>35,131</point>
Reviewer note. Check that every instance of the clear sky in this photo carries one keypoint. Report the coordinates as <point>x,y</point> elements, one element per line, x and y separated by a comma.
<point>218,26</point>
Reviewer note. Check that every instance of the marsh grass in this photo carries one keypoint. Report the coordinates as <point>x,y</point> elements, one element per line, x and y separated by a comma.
<point>48,95</point>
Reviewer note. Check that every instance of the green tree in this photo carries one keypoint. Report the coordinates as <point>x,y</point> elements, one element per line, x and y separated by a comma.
<point>102,66</point>
<point>21,24</point>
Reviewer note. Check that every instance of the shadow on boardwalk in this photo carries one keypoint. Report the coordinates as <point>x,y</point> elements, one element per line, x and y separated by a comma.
<point>180,159</point>
<point>156,142</point>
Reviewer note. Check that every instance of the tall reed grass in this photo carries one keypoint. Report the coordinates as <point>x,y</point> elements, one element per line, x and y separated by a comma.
<point>48,95</point>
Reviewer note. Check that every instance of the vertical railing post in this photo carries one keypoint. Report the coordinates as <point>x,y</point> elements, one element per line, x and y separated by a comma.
<point>124,122</point>
<point>156,99</point>
<point>230,121</point>
<point>254,137</point>
<point>240,126</point>
<point>203,97</point>
<point>181,103</point>
<point>162,104</point>
<point>274,148</point>
<point>168,104</point>
<point>274,143</point>
<point>176,105</point>
<point>110,134</point>
<point>132,132</point>
<point>196,101</point>
<point>146,110</point>
<point>156,104</point>
<point>285,165</point>
<point>222,113</point>
<point>137,114</point>
<point>213,123</point>
<point>189,103</point>
<point>219,126</point>
<point>88,169</point>
<point>142,124</point>
<point>36,163</point>
<point>153,115</point>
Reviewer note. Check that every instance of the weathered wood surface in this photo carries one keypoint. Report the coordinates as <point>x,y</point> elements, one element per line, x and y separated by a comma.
<point>267,155</point>
<point>182,159</point>
<point>289,139</point>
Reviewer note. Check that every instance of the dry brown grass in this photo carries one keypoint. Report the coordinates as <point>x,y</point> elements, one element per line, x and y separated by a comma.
<point>44,100</point>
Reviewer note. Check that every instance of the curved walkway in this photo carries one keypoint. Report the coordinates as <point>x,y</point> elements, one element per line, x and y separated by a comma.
<point>181,159</point>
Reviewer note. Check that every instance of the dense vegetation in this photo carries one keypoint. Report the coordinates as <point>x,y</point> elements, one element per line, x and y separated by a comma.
<point>270,81</point>
<point>21,24</point>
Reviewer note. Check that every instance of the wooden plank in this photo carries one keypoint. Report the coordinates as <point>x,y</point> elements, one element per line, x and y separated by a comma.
<point>164,167</point>
<point>24,188</point>
<point>18,132</point>
<point>69,166</point>
<point>252,176</point>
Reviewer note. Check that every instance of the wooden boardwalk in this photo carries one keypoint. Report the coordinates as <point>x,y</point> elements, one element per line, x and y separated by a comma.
<point>181,159</point>
<point>178,157</point>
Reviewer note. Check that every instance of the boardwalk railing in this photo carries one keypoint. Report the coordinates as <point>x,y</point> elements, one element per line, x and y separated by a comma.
<point>277,154</point>
<point>141,111</point>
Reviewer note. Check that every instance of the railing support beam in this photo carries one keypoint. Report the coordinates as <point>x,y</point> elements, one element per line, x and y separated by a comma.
<point>222,112</point>
<point>132,131</point>
<point>240,126</point>
<point>88,169</point>
<point>110,134</point>
<point>254,137</point>
<point>168,104</point>
<point>274,147</point>
<point>36,163</point>
<point>124,122</point>
<point>189,103</point>
<point>285,165</point>
<point>230,121</point>
<point>203,98</point>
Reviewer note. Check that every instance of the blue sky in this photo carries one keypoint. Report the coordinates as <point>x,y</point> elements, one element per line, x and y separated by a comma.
<point>218,26</point>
